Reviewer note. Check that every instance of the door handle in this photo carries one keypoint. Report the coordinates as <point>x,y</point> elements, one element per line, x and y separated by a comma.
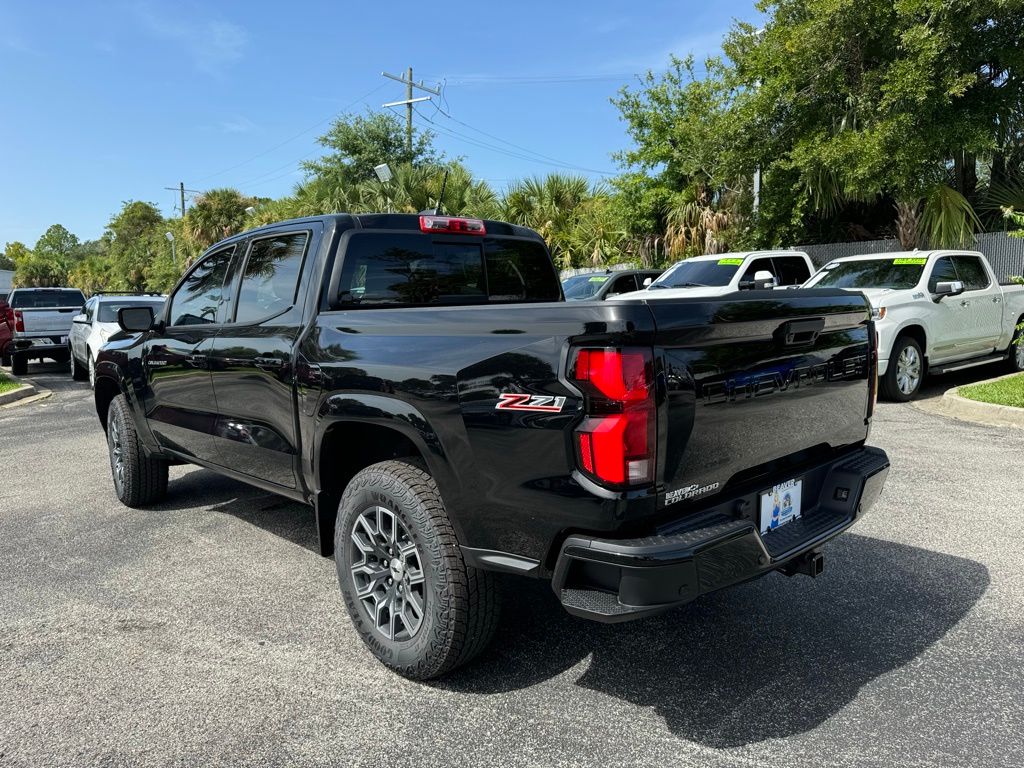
<point>965,303</point>
<point>269,363</point>
<point>196,360</point>
<point>996,299</point>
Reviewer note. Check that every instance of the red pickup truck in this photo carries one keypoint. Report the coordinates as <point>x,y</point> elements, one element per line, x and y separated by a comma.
<point>5,333</point>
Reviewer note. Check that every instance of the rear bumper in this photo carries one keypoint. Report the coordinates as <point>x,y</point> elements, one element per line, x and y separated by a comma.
<point>40,343</point>
<point>617,580</point>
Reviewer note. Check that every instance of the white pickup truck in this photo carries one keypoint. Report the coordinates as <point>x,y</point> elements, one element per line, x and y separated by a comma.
<point>40,320</point>
<point>722,273</point>
<point>935,312</point>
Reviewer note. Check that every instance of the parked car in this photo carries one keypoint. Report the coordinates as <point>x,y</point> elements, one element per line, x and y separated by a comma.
<point>935,312</point>
<point>96,323</point>
<point>5,331</point>
<point>598,286</point>
<point>717,275</point>
<point>419,382</point>
<point>40,320</point>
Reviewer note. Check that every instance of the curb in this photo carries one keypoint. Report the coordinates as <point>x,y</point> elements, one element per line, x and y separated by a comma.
<point>953,405</point>
<point>25,390</point>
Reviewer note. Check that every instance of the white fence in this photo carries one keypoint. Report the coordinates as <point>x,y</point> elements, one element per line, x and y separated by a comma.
<point>1005,253</point>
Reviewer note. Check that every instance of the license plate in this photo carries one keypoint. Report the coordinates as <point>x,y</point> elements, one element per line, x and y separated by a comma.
<point>63,339</point>
<point>42,343</point>
<point>780,505</point>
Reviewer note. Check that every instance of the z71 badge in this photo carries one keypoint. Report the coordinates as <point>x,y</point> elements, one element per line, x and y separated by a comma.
<point>511,401</point>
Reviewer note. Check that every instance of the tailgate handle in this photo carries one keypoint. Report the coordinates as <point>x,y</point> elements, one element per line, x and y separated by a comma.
<point>795,333</point>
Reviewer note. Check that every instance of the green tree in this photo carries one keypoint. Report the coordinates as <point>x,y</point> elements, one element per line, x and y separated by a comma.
<point>136,240</point>
<point>217,214</point>
<point>357,143</point>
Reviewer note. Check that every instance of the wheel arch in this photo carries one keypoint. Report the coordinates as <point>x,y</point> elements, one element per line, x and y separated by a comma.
<point>917,332</point>
<point>366,430</point>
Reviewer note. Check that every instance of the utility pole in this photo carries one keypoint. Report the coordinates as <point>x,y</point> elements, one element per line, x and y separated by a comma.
<point>408,101</point>
<point>181,190</point>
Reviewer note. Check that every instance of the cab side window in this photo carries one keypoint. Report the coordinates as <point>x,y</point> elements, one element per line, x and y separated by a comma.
<point>942,272</point>
<point>90,309</point>
<point>271,276</point>
<point>972,272</point>
<point>790,270</point>
<point>623,284</point>
<point>198,299</point>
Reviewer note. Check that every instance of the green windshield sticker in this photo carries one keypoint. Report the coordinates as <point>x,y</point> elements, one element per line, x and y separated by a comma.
<point>601,279</point>
<point>915,261</point>
<point>730,262</point>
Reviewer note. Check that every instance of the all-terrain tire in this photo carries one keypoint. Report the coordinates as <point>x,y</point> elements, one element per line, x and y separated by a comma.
<point>460,603</point>
<point>1016,358</point>
<point>139,479</point>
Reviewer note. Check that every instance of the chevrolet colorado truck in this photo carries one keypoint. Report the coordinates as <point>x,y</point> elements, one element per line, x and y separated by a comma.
<point>935,312</point>
<point>40,321</point>
<point>421,384</point>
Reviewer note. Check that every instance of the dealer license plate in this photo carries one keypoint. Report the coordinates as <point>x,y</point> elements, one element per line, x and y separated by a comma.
<point>780,505</point>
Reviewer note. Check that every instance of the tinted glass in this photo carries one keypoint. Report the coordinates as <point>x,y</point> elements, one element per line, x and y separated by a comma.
<point>197,300</point>
<point>942,272</point>
<point>582,287</point>
<point>688,274</point>
<point>790,270</point>
<point>870,273</point>
<point>109,309</point>
<point>416,270</point>
<point>519,270</point>
<point>759,265</point>
<point>971,272</point>
<point>271,276</point>
<point>30,299</point>
<point>623,284</point>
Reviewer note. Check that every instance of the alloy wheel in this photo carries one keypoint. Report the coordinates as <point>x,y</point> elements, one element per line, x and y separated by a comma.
<point>92,372</point>
<point>117,454</point>
<point>1019,352</point>
<point>908,370</point>
<point>387,571</point>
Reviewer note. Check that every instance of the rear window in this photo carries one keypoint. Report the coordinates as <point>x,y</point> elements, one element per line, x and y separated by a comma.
<point>30,299</point>
<point>109,309</point>
<point>417,270</point>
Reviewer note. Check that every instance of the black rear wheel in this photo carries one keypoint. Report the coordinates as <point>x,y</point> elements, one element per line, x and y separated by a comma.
<point>1017,348</point>
<point>413,600</point>
<point>19,364</point>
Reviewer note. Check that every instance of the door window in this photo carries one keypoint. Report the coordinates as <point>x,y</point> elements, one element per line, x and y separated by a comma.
<point>756,266</point>
<point>271,277</point>
<point>791,270</point>
<point>972,272</point>
<point>90,309</point>
<point>942,272</point>
<point>198,299</point>
<point>623,284</point>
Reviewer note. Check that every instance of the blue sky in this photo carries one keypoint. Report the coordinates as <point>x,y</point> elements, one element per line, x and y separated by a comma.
<point>107,102</point>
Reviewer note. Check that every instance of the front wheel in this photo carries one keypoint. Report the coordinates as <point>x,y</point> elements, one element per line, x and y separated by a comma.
<point>413,600</point>
<point>139,479</point>
<point>903,377</point>
<point>92,371</point>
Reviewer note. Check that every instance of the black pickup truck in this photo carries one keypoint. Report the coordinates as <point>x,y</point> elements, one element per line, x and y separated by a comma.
<point>420,382</point>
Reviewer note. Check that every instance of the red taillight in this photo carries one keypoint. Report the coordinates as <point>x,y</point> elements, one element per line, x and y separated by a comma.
<point>452,225</point>
<point>19,321</point>
<point>616,442</point>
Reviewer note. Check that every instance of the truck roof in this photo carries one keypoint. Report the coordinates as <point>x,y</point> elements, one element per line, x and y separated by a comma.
<point>744,255</point>
<point>907,255</point>
<point>391,221</point>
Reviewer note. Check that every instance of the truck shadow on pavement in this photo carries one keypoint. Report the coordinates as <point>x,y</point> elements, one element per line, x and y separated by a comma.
<point>769,659</point>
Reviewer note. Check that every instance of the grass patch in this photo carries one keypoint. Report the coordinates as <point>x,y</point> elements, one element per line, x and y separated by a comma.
<point>7,383</point>
<point>1009,391</point>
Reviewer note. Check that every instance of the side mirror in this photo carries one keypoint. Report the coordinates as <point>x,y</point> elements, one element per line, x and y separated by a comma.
<point>950,288</point>
<point>80,318</point>
<point>135,319</point>
<point>648,281</point>
<point>763,280</point>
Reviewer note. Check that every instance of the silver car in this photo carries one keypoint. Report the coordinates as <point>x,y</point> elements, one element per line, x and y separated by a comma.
<point>97,323</point>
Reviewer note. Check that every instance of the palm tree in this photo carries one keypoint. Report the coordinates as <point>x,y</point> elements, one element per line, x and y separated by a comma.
<point>217,214</point>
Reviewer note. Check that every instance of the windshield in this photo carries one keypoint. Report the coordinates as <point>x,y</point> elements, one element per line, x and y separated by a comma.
<point>109,309</point>
<point>707,272</point>
<point>583,287</point>
<point>899,273</point>
<point>37,299</point>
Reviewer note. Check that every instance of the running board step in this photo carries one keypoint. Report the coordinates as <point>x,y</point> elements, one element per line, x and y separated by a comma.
<point>963,365</point>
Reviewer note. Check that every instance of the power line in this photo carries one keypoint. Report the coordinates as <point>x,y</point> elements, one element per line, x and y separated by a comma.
<point>533,157</point>
<point>293,138</point>
<point>409,101</point>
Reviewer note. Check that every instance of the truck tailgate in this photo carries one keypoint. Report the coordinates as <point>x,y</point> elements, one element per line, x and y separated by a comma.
<point>758,381</point>
<point>49,320</point>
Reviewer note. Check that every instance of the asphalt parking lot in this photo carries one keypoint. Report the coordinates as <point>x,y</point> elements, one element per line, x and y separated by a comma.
<point>207,631</point>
